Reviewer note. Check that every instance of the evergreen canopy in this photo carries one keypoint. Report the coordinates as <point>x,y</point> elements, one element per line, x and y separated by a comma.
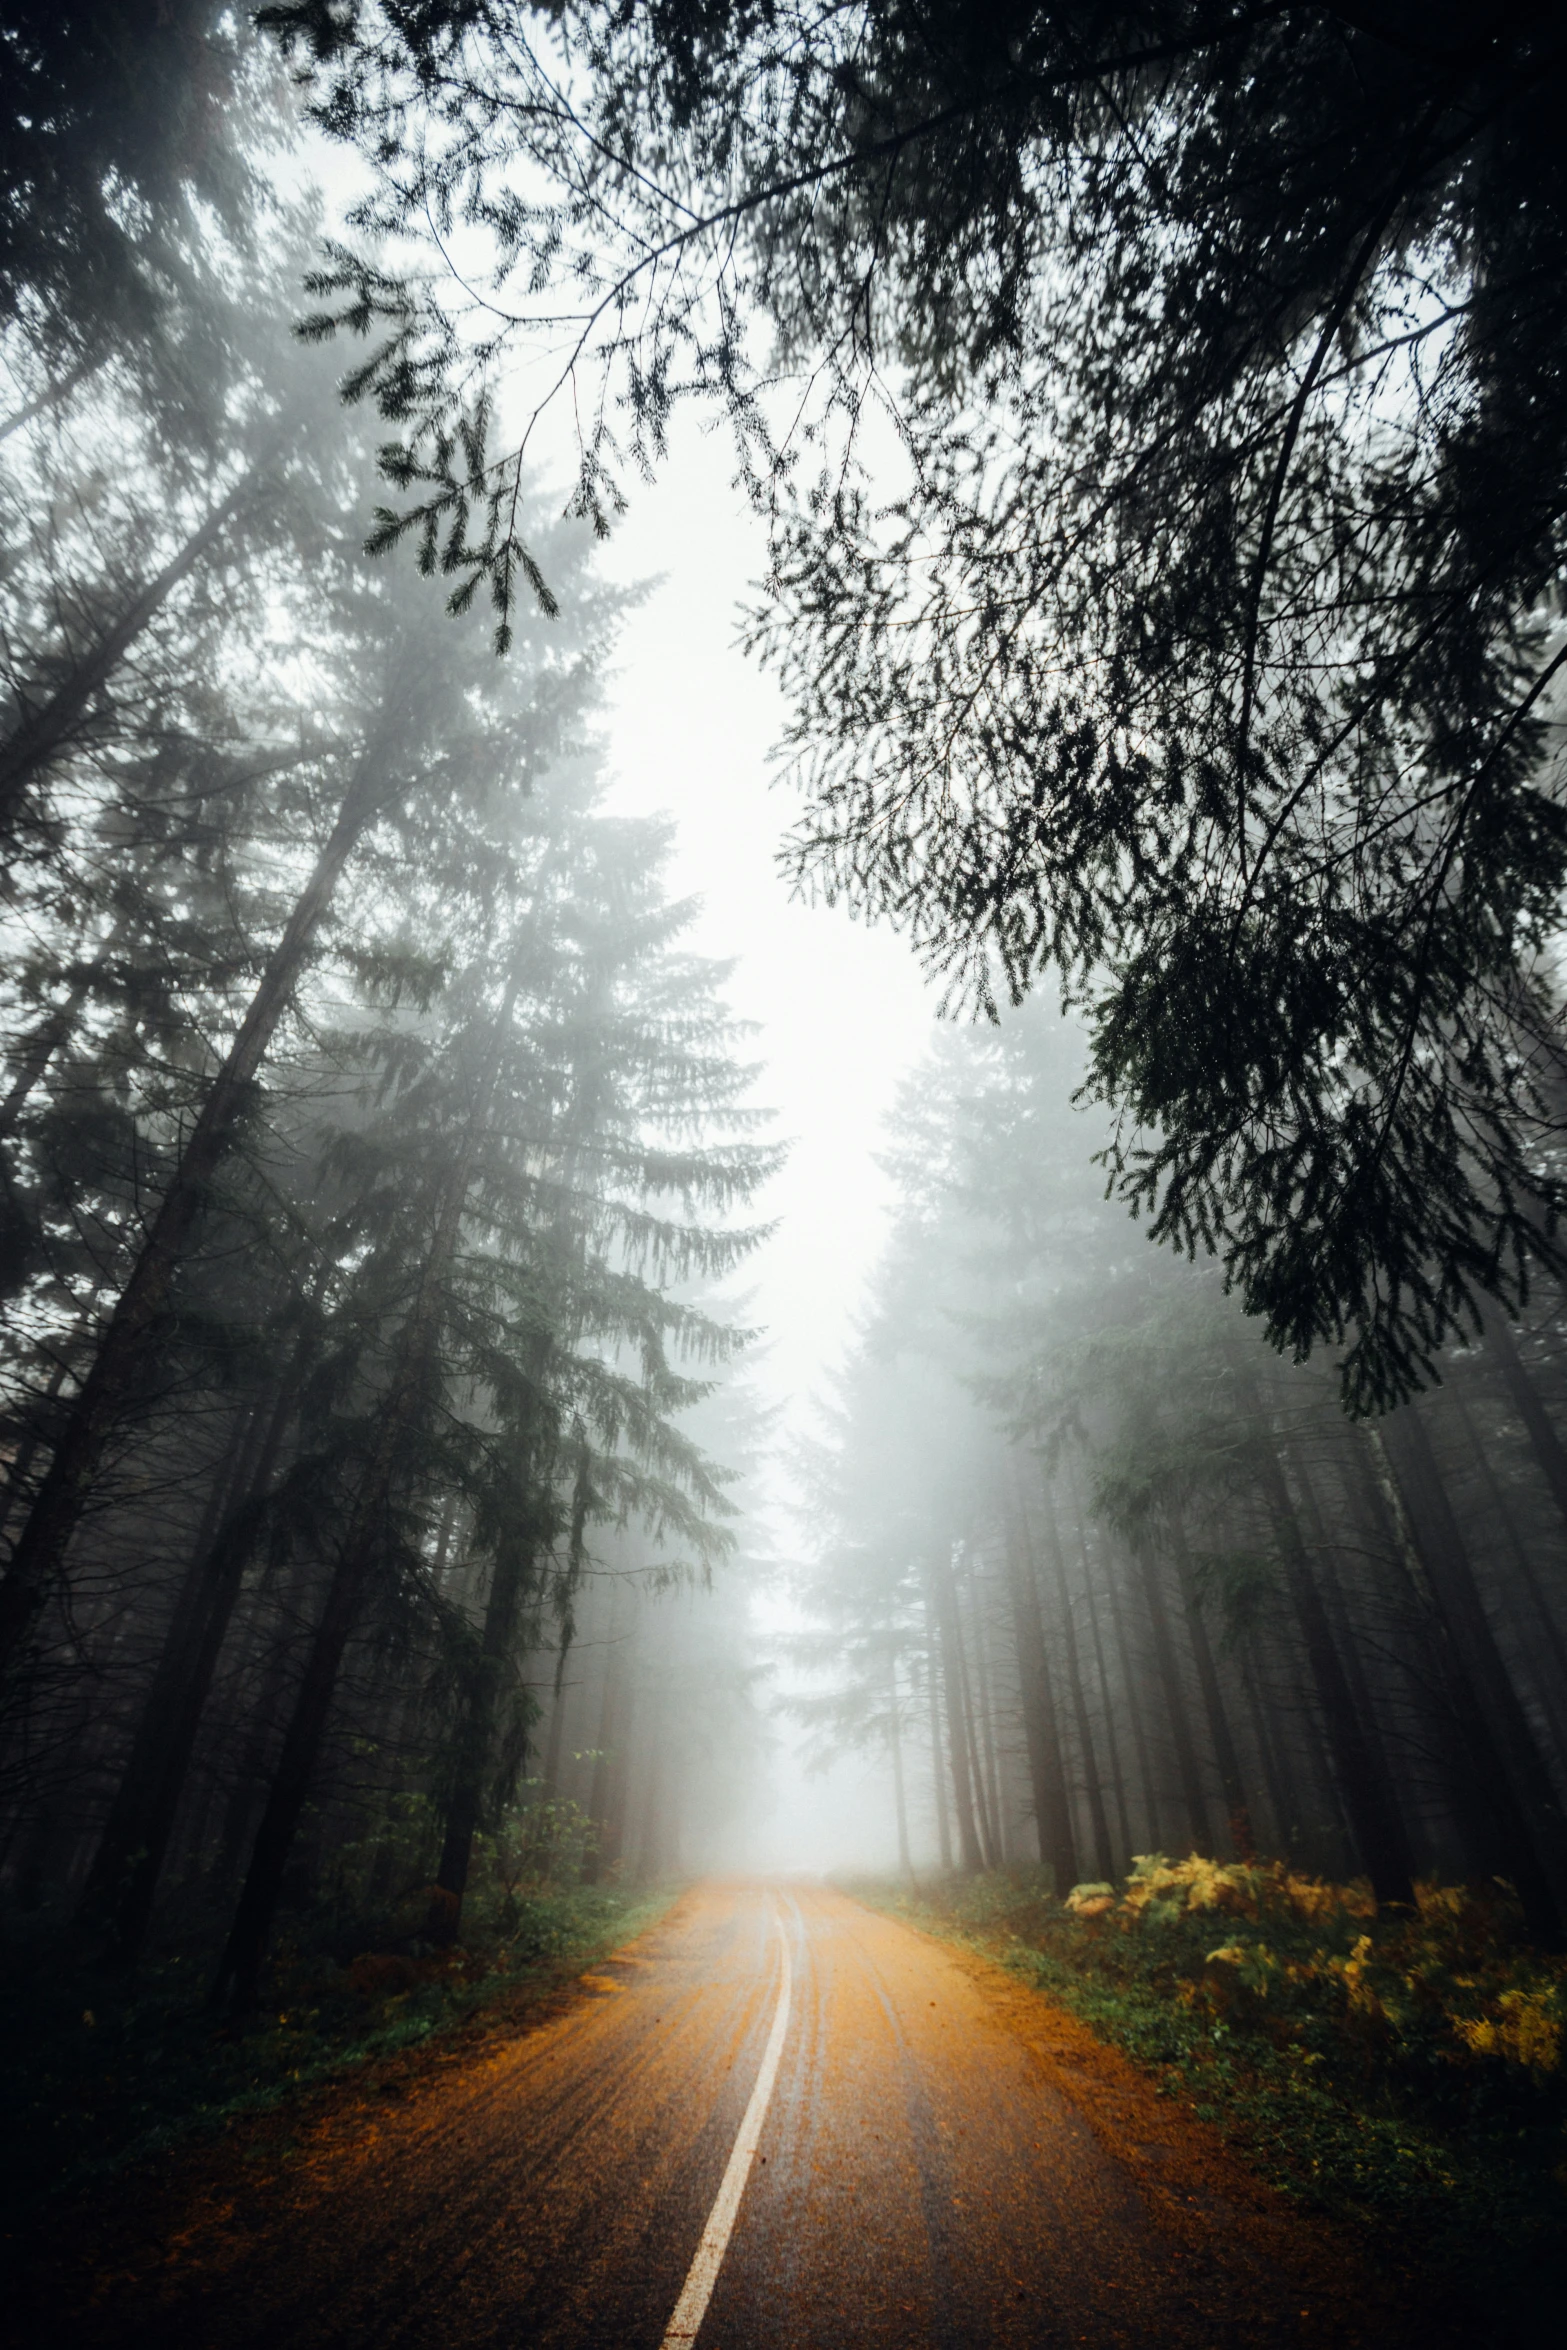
<point>1205,651</point>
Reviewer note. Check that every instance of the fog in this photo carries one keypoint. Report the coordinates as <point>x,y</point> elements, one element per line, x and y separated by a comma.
<point>842,1012</point>
<point>534,1364</point>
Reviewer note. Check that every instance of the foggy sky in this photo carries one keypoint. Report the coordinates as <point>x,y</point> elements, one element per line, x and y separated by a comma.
<point>843,1014</point>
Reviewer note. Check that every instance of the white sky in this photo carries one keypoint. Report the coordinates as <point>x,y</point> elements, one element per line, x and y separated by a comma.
<point>843,1010</point>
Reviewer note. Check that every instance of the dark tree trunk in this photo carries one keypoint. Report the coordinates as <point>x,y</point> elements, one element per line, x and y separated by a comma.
<point>987,1844</point>
<point>476,1735</point>
<point>1106,1712</point>
<point>1503,1753</point>
<point>1545,1444</point>
<point>1237,1804</point>
<point>1099,1826</point>
<point>1275,1775</point>
<point>36,1054</point>
<point>1041,1732</point>
<point>1130,1680</point>
<point>1374,1820</point>
<point>20,1467</point>
<point>106,1391</point>
<point>606,1803</point>
<point>52,394</point>
<point>1553,1691</point>
<point>129,1861</point>
<point>1174,1695</point>
<point>406,1403</point>
<point>45,730</point>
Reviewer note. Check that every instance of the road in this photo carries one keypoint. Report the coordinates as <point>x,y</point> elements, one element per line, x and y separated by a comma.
<point>934,2166</point>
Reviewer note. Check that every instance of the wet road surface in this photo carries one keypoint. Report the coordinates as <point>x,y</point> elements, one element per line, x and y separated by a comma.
<point>920,2176</point>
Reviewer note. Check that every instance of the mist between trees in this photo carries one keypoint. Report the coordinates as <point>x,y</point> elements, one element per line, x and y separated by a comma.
<point>374,1156</point>
<point>375,1161</point>
<point>1098,1575</point>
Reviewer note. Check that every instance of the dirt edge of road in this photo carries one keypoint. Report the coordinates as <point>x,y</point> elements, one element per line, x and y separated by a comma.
<point>1194,2183</point>
<point>197,2210</point>
<point>187,2218</point>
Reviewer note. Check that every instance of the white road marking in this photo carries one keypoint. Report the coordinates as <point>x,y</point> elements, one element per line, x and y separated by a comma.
<point>697,2291</point>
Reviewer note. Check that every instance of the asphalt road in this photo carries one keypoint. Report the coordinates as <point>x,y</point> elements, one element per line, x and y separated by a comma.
<point>919,2177</point>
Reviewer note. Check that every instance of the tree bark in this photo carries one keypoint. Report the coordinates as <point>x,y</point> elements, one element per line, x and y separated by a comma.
<point>34,743</point>
<point>105,1392</point>
<point>39,1050</point>
<point>1041,1731</point>
<point>1374,1820</point>
<point>1174,1695</point>
<point>1237,1804</point>
<point>1547,1447</point>
<point>899,1795</point>
<point>938,1781</point>
<point>130,1857</point>
<point>946,1612</point>
<point>406,1401</point>
<point>475,1744</point>
<point>1503,1752</point>
<point>1107,1716</point>
<point>1134,1707</point>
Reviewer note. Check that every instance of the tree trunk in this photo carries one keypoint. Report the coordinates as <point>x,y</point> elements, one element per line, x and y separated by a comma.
<point>20,1467</point>
<point>1134,1706</point>
<point>239,1971</point>
<point>1107,1716</point>
<point>1243,1840</point>
<point>1104,1859</point>
<point>475,1743</point>
<point>129,1861</point>
<point>1275,1775</point>
<point>985,1715</point>
<point>604,1804</point>
<point>946,1611</point>
<point>1546,1445</point>
<point>987,1839</point>
<point>1374,1820</point>
<point>1503,1753</point>
<point>105,1392</point>
<point>1552,1697</point>
<point>39,1050</point>
<point>1041,1731</point>
<point>899,1796</point>
<point>52,394</point>
<point>1174,1695</point>
<point>34,743</point>
<point>938,1782</point>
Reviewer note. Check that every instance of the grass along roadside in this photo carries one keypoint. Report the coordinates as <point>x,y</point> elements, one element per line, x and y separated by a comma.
<point>1403,2073</point>
<point>99,2076</point>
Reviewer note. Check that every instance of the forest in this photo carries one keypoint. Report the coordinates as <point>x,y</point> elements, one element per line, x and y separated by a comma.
<point>411,1586</point>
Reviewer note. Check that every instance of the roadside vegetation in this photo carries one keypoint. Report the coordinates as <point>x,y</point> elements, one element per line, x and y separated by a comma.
<point>104,2069</point>
<point>1402,2070</point>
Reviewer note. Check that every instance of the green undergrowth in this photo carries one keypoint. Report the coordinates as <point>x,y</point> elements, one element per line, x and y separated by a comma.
<point>99,2075</point>
<point>1403,2071</point>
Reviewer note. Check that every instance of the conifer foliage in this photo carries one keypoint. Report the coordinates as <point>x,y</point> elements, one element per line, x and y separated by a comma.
<point>373,1155</point>
<point>1104,1579</point>
<point>1187,619</point>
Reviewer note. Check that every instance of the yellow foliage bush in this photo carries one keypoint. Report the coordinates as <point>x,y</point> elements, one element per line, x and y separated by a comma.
<point>1447,1978</point>
<point>1159,1889</point>
<point>1524,2027</point>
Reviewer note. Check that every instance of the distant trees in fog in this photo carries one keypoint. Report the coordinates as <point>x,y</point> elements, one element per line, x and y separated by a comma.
<point>1106,1576</point>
